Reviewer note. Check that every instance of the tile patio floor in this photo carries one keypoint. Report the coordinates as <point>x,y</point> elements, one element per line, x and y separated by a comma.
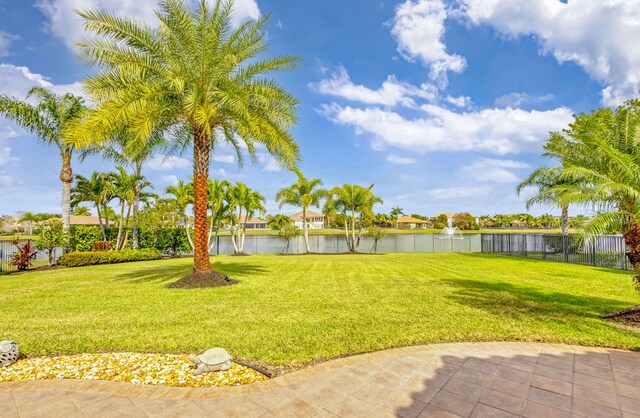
<point>441,380</point>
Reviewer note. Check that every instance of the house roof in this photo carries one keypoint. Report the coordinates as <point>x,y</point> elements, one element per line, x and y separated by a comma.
<point>83,220</point>
<point>252,220</point>
<point>310,214</point>
<point>409,220</point>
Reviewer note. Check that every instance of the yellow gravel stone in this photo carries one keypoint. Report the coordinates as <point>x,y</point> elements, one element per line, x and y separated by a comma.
<point>149,369</point>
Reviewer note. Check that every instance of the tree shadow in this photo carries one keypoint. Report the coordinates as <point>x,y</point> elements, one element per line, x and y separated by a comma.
<point>171,273</point>
<point>517,301</point>
<point>540,382</point>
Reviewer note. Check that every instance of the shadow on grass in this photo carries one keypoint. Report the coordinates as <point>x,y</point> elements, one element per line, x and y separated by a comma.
<point>517,301</point>
<point>171,273</point>
<point>537,261</point>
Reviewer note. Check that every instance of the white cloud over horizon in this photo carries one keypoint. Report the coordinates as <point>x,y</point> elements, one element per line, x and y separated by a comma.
<point>168,162</point>
<point>500,131</point>
<point>395,159</point>
<point>494,170</point>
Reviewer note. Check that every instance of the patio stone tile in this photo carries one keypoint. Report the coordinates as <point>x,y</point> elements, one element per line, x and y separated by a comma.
<point>97,404</point>
<point>482,366</point>
<point>7,405</point>
<point>630,379</point>
<point>486,411</point>
<point>434,412</point>
<point>593,371</point>
<point>387,378</point>
<point>464,388</point>
<point>604,385</point>
<point>556,362</point>
<point>40,402</point>
<point>538,410</point>
<point>629,405</point>
<point>371,392</point>
<point>454,403</point>
<point>554,373</point>
<point>628,391</point>
<point>524,366</point>
<point>552,399</point>
<point>513,374</point>
<point>590,410</point>
<point>295,407</point>
<point>273,399</point>
<point>510,387</point>
<point>473,376</point>
<point>405,407</point>
<point>610,400</point>
<point>502,401</point>
<point>552,385</point>
<point>165,408</point>
<point>232,407</point>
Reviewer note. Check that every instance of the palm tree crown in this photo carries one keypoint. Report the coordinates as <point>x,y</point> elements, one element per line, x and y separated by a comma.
<point>194,74</point>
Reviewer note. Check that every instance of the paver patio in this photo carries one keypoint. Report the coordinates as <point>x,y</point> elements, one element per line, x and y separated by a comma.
<point>440,380</point>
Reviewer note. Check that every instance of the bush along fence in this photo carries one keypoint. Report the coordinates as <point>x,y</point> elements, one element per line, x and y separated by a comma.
<point>41,259</point>
<point>602,251</point>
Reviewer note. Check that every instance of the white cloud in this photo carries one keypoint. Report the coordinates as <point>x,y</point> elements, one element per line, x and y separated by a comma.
<point>220,172</point>
<point>400,160</point>
<point>16,81</point>
<point>460,101</point>
<point>64,22</point>
<point>169,162</point>
<point>494,170</point>
<point>391,93</point>
<point>500,131</point>
<point>223,158</point>
<point>521,99</point>
<point>170,179</point>
<point>5,156</point>
<point>453,193</point>
<point>269,164</point>
<point>5,42</point>
<point>597,35</point>
<point>418,28</point>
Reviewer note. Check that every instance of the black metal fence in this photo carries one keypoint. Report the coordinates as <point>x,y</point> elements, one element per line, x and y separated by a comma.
<point>602,251</point>
<point>7,248</point>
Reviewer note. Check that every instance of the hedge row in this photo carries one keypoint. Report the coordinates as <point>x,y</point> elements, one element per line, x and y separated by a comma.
<point>171,241</point>
<point>82,258</point>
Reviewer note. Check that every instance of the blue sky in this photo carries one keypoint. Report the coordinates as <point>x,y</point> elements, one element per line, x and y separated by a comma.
<point>444,105</point>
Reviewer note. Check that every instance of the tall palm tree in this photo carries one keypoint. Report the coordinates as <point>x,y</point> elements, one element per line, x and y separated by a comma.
<point>600,154</point>
<point>182,197</point>
<point>353,201</point>
<point>194,73</point>
<point>30,219</point>
<point>218,206</point>
<point>80,210</point>
<point>395,214</point>
<point>303,193</point>
<point>122,150</point>
<point>98,190</point>
<point>548,183</point>
<point>48,120</point>
<point>124,187</point>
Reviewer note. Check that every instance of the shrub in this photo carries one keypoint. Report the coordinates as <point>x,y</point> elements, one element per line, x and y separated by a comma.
<point>52,235</point>
<point>377,234</point>
<point>22,259</point>
<point>102,246</point>
<point>88,258</point>
<point>83,237</point>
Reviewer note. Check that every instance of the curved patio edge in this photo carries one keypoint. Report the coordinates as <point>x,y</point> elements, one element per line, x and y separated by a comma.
<point>435,351</point>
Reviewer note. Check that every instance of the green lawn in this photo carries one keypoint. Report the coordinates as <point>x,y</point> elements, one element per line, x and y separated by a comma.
<point>288,309</point>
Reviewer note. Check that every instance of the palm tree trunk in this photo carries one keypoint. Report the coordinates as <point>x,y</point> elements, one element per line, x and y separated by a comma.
<point>125,236</point>
<point>632,242</point>
<point>346,232</point>
<point>305,228</point>
<point>136,204</point>
<point>201,155</point>
<point>239,227</point>
<point>565,220</point>
<point>104,234</point>
<point>120,225</point>
<point>353,232</point>
<point>66,177</point>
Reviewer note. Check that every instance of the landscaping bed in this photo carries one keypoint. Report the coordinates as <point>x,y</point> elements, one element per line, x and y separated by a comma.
<point>149,369</point>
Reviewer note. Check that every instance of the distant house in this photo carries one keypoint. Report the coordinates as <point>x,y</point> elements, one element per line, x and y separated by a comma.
<point>251,223</point>
<point>407,222</point>
<point>314,220</point>
<point>84,220</point>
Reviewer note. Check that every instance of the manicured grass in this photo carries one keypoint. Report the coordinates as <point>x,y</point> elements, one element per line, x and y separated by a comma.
<point>289,309</point>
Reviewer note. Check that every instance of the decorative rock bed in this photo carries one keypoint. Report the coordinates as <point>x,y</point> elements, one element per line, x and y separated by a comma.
<point>150,369</point>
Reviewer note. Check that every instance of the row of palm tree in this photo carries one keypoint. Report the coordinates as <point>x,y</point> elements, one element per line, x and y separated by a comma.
<point>194,81</point>
<point>597,166</point>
